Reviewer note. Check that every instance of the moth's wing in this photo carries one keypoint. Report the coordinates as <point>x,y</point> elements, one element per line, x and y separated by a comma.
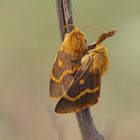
<point>61,74</point>
<point>83,91</point>
<point>104,36</point>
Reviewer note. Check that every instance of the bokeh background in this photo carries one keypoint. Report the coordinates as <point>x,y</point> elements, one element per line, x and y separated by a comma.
<point>29,39</point>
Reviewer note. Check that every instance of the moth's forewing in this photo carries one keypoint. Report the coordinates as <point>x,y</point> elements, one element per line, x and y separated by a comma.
<point>83,91</point>
<point>62,74</point>
<point>72,48</point>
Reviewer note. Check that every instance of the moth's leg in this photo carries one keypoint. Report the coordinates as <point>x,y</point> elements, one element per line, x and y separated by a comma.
<point>92,46</point>
<point>76,60</point>
<point>73,74</point>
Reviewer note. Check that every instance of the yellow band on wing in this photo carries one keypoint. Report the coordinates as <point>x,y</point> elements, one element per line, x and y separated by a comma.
<point>86,91</point>
<point>64,73</point>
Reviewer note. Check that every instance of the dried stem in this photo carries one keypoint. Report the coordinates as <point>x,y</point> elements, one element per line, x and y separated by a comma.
<point>87,126</point>
<point>85,121</point>
<point>61,18</point>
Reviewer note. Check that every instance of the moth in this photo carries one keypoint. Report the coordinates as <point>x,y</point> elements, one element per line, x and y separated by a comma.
<point>72,48</point>
<point>84,89</point>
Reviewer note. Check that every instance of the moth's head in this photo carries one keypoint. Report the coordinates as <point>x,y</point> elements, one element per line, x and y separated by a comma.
<point>77,34</point>
<point>77,38</point>
<point>75,42</point>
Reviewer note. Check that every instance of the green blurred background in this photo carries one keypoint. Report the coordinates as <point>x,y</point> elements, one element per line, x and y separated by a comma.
<point>29,39</point>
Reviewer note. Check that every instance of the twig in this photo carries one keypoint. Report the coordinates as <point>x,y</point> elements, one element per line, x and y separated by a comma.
<point>61,18</point>
<point>87,126</point>
<point>85,121</point>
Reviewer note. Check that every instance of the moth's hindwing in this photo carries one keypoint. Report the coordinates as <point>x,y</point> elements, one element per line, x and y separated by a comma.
<point>83,91</point>
<point>61,75</point>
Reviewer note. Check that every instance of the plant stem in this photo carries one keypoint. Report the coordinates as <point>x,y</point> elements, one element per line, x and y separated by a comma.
<point>87,126</point>
<point>85,121</point>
